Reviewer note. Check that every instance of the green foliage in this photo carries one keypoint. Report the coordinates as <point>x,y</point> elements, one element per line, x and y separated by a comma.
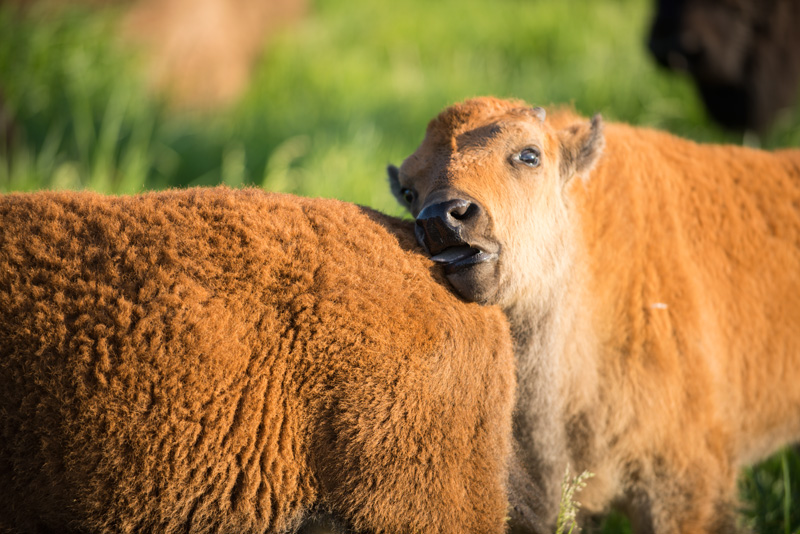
<point>771,494</point>
<point>333,100</point>
<point>75,105</point>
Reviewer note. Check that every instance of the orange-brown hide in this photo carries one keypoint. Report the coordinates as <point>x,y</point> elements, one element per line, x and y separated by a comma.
<point>654,300</point>
<point>212,360</point>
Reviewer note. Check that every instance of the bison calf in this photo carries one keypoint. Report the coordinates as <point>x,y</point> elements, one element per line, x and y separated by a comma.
<point>234,361</point>
<point>654,302</point>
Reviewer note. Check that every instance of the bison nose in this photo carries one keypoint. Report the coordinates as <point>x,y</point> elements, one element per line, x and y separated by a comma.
<point>441,225</point>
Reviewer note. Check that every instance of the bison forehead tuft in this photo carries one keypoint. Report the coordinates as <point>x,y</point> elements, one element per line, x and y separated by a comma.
<point>463,116</point>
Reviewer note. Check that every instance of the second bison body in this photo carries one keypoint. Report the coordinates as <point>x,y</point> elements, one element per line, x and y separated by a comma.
<point>233,361</point>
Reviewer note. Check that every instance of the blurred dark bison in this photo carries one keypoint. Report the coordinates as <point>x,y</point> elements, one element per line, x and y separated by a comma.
<point>744,55</point>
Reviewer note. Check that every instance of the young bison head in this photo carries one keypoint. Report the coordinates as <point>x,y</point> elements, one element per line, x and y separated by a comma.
<point>487,189</point>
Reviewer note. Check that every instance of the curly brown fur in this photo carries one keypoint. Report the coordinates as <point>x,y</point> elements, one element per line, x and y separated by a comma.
<point>212,360</point>
<point>655,304</point>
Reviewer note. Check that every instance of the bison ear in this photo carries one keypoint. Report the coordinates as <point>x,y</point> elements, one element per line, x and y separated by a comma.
<point>394,183</point>
<point>581,146</point>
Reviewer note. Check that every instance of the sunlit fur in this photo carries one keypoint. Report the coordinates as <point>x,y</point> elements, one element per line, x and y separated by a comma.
<point>654,301</point>
<point>212,360</point>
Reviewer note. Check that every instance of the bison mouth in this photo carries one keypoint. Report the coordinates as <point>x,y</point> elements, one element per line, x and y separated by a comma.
<point>469,258</point>
<point>447,247</point>
<point>471,268</point>
<point>460,257</point>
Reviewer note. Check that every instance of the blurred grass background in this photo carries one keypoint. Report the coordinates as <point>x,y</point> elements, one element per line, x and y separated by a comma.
<point>333,99</point>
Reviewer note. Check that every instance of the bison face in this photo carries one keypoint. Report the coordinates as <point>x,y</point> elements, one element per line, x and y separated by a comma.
<point>486,190</point>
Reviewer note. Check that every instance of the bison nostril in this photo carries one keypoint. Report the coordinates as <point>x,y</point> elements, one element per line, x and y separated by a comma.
<point>455,210</point>
<point>464,211</point>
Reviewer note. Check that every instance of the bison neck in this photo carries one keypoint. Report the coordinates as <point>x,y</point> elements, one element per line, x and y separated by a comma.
<point>557,377</point>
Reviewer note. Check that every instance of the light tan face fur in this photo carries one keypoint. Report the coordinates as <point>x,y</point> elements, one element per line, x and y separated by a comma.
<point>484,151</point>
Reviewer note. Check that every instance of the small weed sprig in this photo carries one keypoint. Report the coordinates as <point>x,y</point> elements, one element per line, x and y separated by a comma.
<point>569,507</point>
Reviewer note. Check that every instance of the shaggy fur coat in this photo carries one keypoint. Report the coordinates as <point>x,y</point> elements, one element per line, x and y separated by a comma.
<point>211,360</point>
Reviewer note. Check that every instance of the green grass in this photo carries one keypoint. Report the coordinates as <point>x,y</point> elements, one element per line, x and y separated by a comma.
<point>772,494</point>
<point>333,100</point>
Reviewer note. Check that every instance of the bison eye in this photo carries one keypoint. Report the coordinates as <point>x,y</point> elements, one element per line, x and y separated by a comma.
<point>530,157</point>
<point>408,195</point>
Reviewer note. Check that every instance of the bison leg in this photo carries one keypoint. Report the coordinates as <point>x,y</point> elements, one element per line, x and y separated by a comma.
<point>697,497</point>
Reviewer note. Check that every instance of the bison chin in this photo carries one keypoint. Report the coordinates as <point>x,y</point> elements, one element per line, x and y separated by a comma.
<point>476,283</point>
